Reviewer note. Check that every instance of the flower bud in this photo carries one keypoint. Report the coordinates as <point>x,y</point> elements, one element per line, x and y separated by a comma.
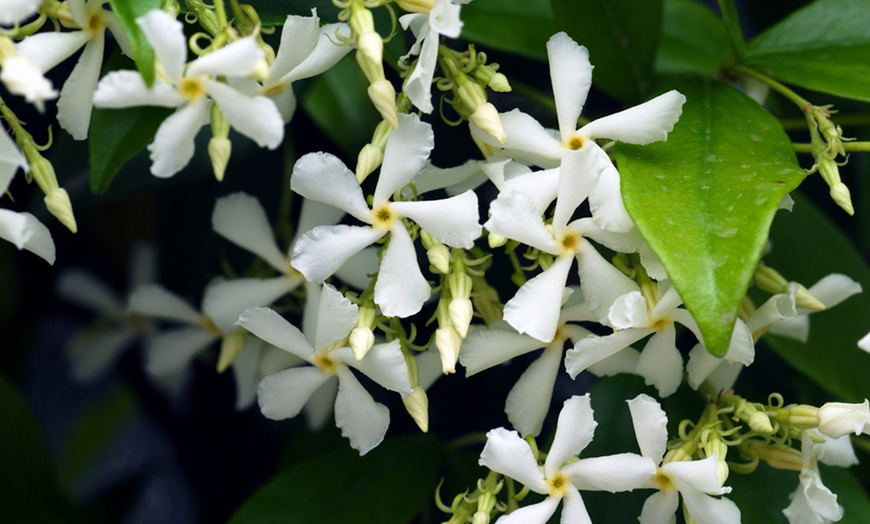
<point>842,197</point>
<point>499,83</point>
<point>383,96</point>
<point>417,404</point>
<point>760,423</point>
<point>58,204</point>
<point>776,455</point>
<point>495,240</point>
<point>416,6</point>
<point>448,342</point>
<point>830,172</point>
<point>219,150</point>
<point>461,312</point>
<point>361,341</point>
<point>439,257</point>
<point>486,118</point>
<point>837,419</point>
<point>369,159</point>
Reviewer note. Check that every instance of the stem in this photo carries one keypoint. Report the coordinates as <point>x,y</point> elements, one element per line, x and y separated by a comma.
<point>221,13</point>
<point>849,147</point>
<point>791,124</point>
<point>800,101</point>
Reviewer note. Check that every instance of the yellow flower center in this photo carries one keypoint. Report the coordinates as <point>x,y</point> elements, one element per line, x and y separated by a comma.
<point>663,481</point>
<point>325,363</point>
<point>575,142</point>
<point>191,88</point>
<point>382,217</point>
<point>95,23</point>
<point>570,243</point>
<point>558,484</point>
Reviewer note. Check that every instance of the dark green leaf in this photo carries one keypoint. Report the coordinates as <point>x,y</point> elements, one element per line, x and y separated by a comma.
<point>521,27</point>
<point>388,485</point>
<point>338,102</point>
<point>693,40</point>
<point>705,198</point>
<point>126,12</point>
<point>830,356</point>
<point>823,47</point>
<point>622,37</point>
<point>732,27</point>
<point>116,136</point>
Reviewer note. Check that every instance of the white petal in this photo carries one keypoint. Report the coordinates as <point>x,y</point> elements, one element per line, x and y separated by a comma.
<point>256,117</point>
<point>384,363</point>
<point>613,473</point>
<point>836,452</point>
<point>485,348</point>
<point>660,362</point>
<point>313,214</point>
<point>173,145</point>
<point>405,155</point>
<point>778,307</point>
<point>418,85</point>
<point>10,160</point>
<point>336,316</point>
<point>320,252</point>
<point>92,356</point>
<point>507,453</point>
<point>700,475</point>
<point>701,365</point>
<point>539,513</point>
<point>723,377</point>
<point>27,232</point>
<point>224,301</point>
<point>529,400</point>
<point>571,74</point>
<point>629,311</point>
<point>359,268</point>
<point>85,290</point>
<point>453,180</point>
<point>574,432</point>
<point>540,186</point>
<point>650,426</point>
<point>453,220</point>
<point>605,202</point>
<point>299,35</point>
<point>321,404</point>
<point>797,328</point>
<point>285,101</point>
<point>328,51</point>
<point>624,361</point>
<point>535,308</point>
<point>362,420</point>
<point>525,134</point>
<point>169,353</point>
<point>602,283</point>
<point>240,58</point>
<point>325,178</point>
<point>274,329</point>
<point>17,10</point>
<point>46,50</point>
<point>246,372</point>
<point>444,18</point>
<point>834,289</point>
<point>594,349</point>
<point>660,508</point>
<point>643,124</point>
<point>401,288</point>
<point>282,395</point>
<point>76,98</point>
<point>577,175</point>
<point>156,301</point>
<point>241,219</point>
<point>166,36</point>
<point>573,508</point>
<point>120,89</point>
<point>709,510</point>
<point>515,216</point>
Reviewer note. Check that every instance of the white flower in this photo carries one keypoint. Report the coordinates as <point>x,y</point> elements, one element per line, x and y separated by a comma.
<point>837,418</point>
<point>444,20</point>
<point>401,288</point>
<point>46,50</point>
<point>812,502</point>
<point>694,480</point>
<point>23,78</point>
<point>15,11</point>
<point>830,291</point>
<point>257,361</point>
<point>306,50</point>
<point>571,75</point>
<point>283,394</point>
<point>507,453</point>
<point>192,89</point>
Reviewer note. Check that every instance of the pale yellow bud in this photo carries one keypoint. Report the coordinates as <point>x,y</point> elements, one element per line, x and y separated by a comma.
<point>58,204</point>
<point>231,347</point>
<point>760,422</point>
<point>495,241</point>
<point>486,118</point>
<point>416,6</point>
<point>361,341</point>
<point>499,83</point>
<point>459,281</point>
<point>219,151</point>
<point>471,94</point>
<point>383,96</point>
<point>461,312</point>
<point>485,149</point>
<point>439,257</point>
<point>417,404</point>
<point>769,279</point>
<point>448,342</point>
<point>804,299</point>
<point>778,456</point>
<point>371,45</point>
<point>842,197</point>
<point>369,159</point>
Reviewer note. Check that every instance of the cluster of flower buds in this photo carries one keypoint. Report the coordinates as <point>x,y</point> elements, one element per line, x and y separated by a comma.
<point>826,139</point>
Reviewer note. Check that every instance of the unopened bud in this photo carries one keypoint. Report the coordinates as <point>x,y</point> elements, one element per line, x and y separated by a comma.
<point>769,279</point>
<point>439,258</point>
<point>461,312</point>
<point>369,159</point>
<point>804,299</point>
<point>485,149</point>
<point>416,6</point>
<point>448,342</point>
<point>231,347</point>
<point>417,404</point>
<point>499,83</point>
<point>801,416</point>
<point>219,151</point>
<point>830,172</point>
<point>760,423</point>
<point>361,341</point>
<point>486,118</point>
<point>459,281</point>
<point>59,205</point>
<point>777,455</point>
<point>383,96</point>
<point>495,240</point>
<point>842,197</point>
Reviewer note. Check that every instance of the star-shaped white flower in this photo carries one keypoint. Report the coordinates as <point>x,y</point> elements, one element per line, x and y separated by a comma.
<point>812,502</point>
<point>401,288</point>
<point>696,481</point>
<point>283,394</point>
<point>571,75</point>
<point>192,89</point>
<point>507,453</point>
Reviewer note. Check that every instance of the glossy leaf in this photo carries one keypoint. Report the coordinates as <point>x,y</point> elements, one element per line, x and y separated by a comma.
<point>388,485</point>
<point>694,40</point>
<point>126,12</point>
<point>705,198</point>
<point>521,27</point>
<point>732,27</point>
<point>830,356</point>
<point>823,47</point>
<point>622,37</point>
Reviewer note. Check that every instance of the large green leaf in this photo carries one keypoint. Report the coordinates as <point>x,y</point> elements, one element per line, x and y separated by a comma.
<point>824,47</point>
<point>693,40</point>
<point>126,12</point>
<point>705,198</point>
<point>387,486</point>
<point>521,27</point>
<point>622,37</point>
<point>830,356</point>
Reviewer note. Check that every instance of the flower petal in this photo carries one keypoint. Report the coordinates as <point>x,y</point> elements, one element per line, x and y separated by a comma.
<point>26,232</point>
<point>325,178</point>
<point>605,202</point>
<point>602,283</point>
<point>418,85</point>
<point>574,431</point>
<point>571,74</point>
<point>239,58</point>
<point>834,289</point>
<point>507,453</point>
<point>85,290</point>
<point>274,329</point>
<point>660,508</point>
<point>577,175</point>
<point>514,216</point>
<point>535,308</point>
<point>17,10</point>
<point>299,36</point>
<point>362,420</point>
<point>660,362</point>
<point>593,349</point>
<point>573,508</point>
<point>76,98</point>
<point>169,353</point>
<point>444,18</point>
<point>166,36</point>
<point>613,473</point>
<point>11,159</point>
<point>321,404</point>
<point>241,219</point>
<point>46,50</point>
<point>707,509</point>
<point>529,400</point>
<point>650,426</point>
<point>120,89</point>
<point>283,394</point>
<point>384,363</point>
<point>336,316</point>
<point>328,51</point>
<point>401,288</point>
<point>699,475</point>
<point>320,252</point>
<point>539,513</point>
<point>642,124</point>
<point>256,117</point>
<point>485,348</point>
<point>224,301</point>
<point>405,154</point>
<point>91,356</point>
<point>453,220</point>
<point>525,135</point>
<point>156,301</point>
<point>173,145</point>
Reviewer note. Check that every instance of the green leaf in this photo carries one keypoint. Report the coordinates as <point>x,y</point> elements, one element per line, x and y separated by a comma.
<point>387,486</point>
<point>823,47</point>
<point>732,27</point>
<point>126,12</point>
<point>622,37</point>
<point>705,198</point>
<point>116,136</point>
<point>521,27</point>
<point>694,40</point>
<point>338,103</point>
<point>830,356</point>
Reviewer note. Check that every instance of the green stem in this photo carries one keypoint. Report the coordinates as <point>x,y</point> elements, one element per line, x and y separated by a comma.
<point>221,12</point>
<point>793,124</point>
<point>849,147</point>
<point>800,101</point>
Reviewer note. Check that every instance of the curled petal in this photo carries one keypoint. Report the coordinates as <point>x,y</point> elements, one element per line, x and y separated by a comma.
<point>507,453</point>
<point>650,426</point>
<point>453,220</point>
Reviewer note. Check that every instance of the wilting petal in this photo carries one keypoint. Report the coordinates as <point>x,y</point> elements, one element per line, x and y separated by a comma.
<point>529,400</point>
<point>613,473</point>
<point>166,36</point>
<point>401,288</point>
<point>574,432</point>
<point>274,329</point>
<point>571,74</point>
<point>76,98</point>
<point>514,216</point>
<point>405,155</point>
<point>224,301</point>
<point>362,420</point>
<point>643,124</point>
<point>120,89</point>
<point>485,348</point>
<point>321,251</point>
<point>241,219</point>
<point>453,220</point>
<point>336,316</point>
<point>384,363</point>
<point>535,308</point>
<point>173,145</point>
<point>594,349</point>
<point>325,178</point>
<point>507,453</point>
<point>650,426</point>
<point>156,301</point>
<point>255,117</point>
<point>282,395</point>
